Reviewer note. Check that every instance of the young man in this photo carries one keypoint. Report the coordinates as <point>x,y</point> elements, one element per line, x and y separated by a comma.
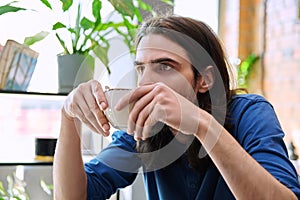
<point>194,137</point>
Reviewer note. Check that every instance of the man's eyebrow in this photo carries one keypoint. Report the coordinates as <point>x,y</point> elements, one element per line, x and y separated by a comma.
<point>158,60</point>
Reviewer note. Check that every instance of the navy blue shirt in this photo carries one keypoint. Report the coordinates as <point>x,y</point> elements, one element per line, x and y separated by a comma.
<point>255,127</point>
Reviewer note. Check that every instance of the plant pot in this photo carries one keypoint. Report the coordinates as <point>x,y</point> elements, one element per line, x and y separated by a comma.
<point>72,70</point>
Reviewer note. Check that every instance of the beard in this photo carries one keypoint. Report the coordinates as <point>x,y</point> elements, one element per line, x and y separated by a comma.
<point>154,157</point>
<point>160,137</point>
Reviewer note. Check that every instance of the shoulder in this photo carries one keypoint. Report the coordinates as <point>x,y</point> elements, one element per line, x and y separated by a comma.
<point>248,99</point>
<point>241,103</point>
<point>252,113</point>
<point>250,105</point>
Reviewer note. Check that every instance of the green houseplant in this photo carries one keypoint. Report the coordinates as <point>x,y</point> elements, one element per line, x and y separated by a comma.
<point>88,36</point>
<point>16,189</point>
<point>245,68</point>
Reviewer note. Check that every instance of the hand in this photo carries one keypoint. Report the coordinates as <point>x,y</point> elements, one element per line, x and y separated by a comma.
<point>87,103</point>
<point>158,103</point>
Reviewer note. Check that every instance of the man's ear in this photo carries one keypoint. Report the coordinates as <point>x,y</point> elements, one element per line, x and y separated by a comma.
<point>206,80</point>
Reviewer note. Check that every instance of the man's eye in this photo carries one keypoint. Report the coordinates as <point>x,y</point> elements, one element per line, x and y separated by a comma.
<point>164,67</point>
<point>140,69</point>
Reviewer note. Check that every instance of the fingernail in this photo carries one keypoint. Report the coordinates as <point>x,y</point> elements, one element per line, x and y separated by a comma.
<point>129,131</point>
<point>137,138</point>
<point>105,127</point>
<point>102,105</point>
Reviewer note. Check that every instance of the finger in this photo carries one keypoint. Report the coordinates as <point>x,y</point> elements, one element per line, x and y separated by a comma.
<point>78,104</point>
<point>137,136</point>
<point>147,130</point>
<point>81,117</point>
<point>138,126</point>
<point>133,96</point>
<point>101,118</point>
<point>92,122</point>
<point>85,118</point>
<point>142,117</point>
<point>95,115</point>
<point>152,124</point>
<point>99,95</point>
<point>149,123</point>
<point>84,104</point>
<point>136,111</point>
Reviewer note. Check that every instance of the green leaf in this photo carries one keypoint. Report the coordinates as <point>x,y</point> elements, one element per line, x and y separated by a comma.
<point>77,28</point>
<point>28,41</point>
<point>101,53</point>
<point>2,190</point>
<point>66,4</point>
<point>104,26</point>
<point>128,24</point>
<point>169,2</point>
<point>86,23</point>
<point>46,188</point>
<point>138,15</point>
<point>245,68</point>
<point>58,25</point>
<point>71,30</point>
<point>144,5</point>
<point>247,64</point>
<point>62,43</point>
<point>46,3</point>
<point>89,62</point>
<point>128,39</point>
<point>125,7</point>
<point>8,8</point>
<point>97,5</point>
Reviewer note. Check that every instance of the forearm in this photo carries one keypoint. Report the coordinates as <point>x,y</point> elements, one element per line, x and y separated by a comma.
<point>68,170</point>
<point>244,176</point>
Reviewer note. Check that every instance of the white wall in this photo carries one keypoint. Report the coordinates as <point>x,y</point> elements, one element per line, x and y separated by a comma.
<point>204,10</point>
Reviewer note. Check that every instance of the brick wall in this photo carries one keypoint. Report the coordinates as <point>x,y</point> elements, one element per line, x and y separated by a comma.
<point>282,63</point>
<point>271,29</point>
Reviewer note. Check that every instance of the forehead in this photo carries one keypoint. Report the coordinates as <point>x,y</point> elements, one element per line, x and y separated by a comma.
<point>153,46</point>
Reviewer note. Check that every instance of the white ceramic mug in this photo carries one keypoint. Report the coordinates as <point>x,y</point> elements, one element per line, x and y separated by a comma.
<point>118,119</point>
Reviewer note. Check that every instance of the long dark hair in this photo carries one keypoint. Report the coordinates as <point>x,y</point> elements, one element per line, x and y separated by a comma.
<point>204,49</point>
